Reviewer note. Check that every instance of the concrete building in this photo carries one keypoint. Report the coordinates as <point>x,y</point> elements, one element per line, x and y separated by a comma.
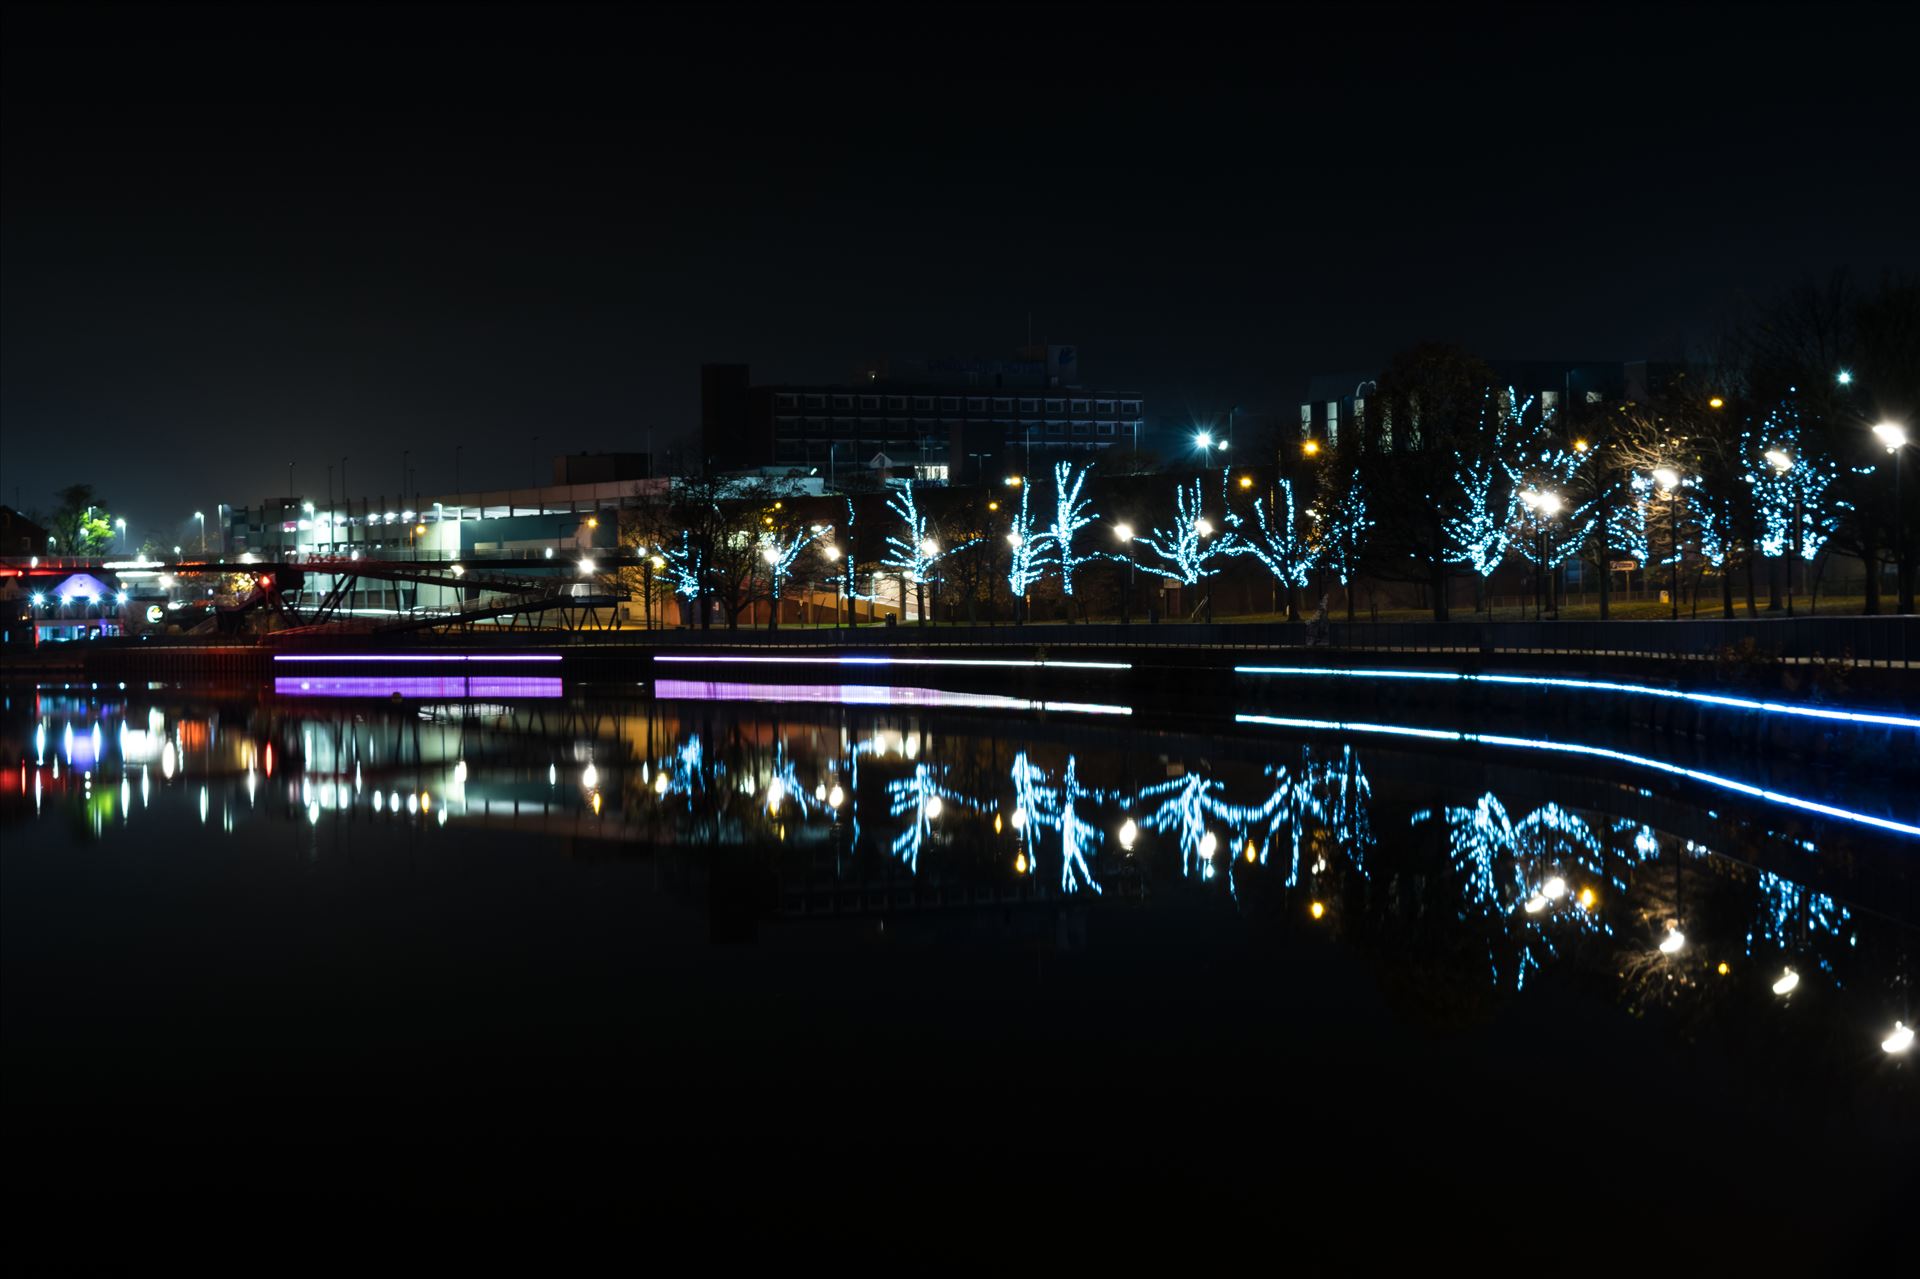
<point>949,420</point>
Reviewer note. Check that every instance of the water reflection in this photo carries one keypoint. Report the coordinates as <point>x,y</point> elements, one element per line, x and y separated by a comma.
<point>1426,867</point>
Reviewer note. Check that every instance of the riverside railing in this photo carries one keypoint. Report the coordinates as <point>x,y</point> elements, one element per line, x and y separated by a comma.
<point>1850,641</point>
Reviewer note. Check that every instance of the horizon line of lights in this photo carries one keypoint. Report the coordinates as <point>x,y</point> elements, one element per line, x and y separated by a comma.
<point>897,661</point>
<point>1601,686</point>
<point>1599,752</point>
<point>867,695</point>
<point>417,657</point>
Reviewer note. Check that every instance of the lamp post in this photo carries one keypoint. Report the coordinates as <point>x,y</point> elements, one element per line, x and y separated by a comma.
<point>1544,505</point>
<point>1894,436</point>
<point>1203,527</point>
<point>1669,481</point>
<point>202,517</point>
<point>1780,461</point>
<point>121,524</point>
<point>1124,532</point>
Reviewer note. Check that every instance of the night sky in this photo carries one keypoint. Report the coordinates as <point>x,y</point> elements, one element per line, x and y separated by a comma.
<point>239,237</point>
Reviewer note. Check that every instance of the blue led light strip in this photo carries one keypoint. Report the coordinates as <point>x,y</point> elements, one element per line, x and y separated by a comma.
<point>898,661</point>
<point>1598,686</point>
<point>1597,752</point>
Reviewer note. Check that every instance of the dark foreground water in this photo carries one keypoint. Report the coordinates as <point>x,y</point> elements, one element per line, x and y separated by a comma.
<point>764,974</point>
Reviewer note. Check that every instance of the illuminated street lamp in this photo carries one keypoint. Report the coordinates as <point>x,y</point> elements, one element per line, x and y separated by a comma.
<point>1894,436</point>
<point>1782,462</point>
<point>1123,532</point>
<point>1669,479</point>
<point>1844,377</point>
<point>1546,505</point>
<point>202,517</point>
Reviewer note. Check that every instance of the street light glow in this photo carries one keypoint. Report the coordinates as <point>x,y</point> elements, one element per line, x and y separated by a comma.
<point>1778,460</point>
<point>1673,942</point>
<point>1666,477</point>
<point>1204,440</point>
<point>1014,540</point>
<point>1900,1040</point>
<point>1844,377</point>
<point>1716,403</point>
<point>1788,980</point>
<point>1891,434</point>
<point>1203,526</point>
<point>1124,532</point>
<point>1310,448</point>
<point>929,547</point>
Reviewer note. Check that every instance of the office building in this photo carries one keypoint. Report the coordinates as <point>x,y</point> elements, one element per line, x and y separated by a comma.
<point>960,421</point>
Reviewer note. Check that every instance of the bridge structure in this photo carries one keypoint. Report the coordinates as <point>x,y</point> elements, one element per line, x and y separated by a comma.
<point>313,596</point>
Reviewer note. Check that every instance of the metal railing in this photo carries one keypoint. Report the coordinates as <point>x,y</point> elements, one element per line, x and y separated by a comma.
<point>1851,641</point>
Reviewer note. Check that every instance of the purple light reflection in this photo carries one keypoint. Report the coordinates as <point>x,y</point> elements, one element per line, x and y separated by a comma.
<point>416,686</point>
<point>862,695</point>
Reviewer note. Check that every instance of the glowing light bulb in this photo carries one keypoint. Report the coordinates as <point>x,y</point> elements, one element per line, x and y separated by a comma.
<point>1020,863</point>
<point>1788,980</point>
<point>1019,819</point>
<point>590,777</point>
<point>1900,1040</point>
<point>1318,910</point>
<point>1208,843</point>
<point>1128,833</point>
<point>1555,888</point>
<point>836,797</point>
<point>1536,904</point>
<point>933,807</point>
<point>1253,854</point>
<point>1586,899</point>
<point>660,783</point>
<point>1673,942</point>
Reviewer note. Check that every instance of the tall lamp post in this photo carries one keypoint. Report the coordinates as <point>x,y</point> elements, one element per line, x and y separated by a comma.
<point>202,517</point>
<point>1125,533</point>
<point>1894,436</point>
<point>121,524</point>
<point>1544,505</point>
<point>1669,481</point>
<point>1782,462</point>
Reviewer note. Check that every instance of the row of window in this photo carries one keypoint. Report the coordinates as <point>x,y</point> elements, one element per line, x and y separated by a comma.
<point>840,425</point>
<point>952,403</point>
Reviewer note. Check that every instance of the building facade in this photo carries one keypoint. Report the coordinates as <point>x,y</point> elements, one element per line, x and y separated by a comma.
<point>1336,404</point>
<point>959,421</point>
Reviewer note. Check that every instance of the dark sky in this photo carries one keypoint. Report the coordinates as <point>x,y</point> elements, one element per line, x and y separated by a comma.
<point>239,237</point>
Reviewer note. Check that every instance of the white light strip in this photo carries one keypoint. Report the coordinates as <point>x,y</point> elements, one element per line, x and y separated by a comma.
<point>897,661</point>
<point>1598,752</point>
<point>417,657</point>
<point>1594,685</point>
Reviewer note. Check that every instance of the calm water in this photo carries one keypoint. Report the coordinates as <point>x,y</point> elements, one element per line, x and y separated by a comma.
<point>1005,955</point>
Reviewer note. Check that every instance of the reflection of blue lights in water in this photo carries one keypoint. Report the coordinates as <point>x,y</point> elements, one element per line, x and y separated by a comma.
<point>1596,686</point>
<point>1504,866</point>
<point>1792,914</point>
<point>1596,752</point>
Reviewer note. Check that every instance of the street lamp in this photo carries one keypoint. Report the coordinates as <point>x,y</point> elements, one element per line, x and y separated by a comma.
<point>202,517</point>
<point>121,524</point>
<point>1894,436</point>
<point>1782,462</point>
<point>1545,505</point>
<point>1124,532</point>
<point>1668,479</point>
